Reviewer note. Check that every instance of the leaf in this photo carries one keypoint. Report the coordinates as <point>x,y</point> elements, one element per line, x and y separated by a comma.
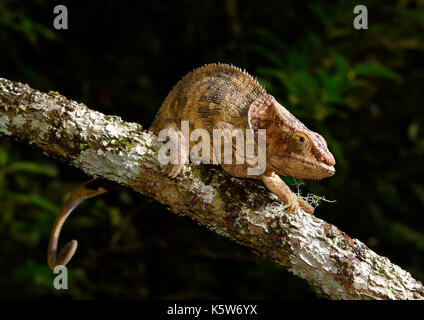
<point>33,199</point>
<point>309,82</point>
<point>340,61</point>
<point>287,81</point>
<point>296,60</point>
<point>366,69</point>
<point>31,167</point>
<point>418,190</point>
<point>271,38</point>
<point>273,57</point>
<point>312,41</point>
<point>337,32</point>
<point>322,15</point>
<point>3,157</point>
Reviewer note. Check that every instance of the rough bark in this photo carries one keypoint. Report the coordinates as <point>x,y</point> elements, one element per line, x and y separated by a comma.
<point>106,146</point>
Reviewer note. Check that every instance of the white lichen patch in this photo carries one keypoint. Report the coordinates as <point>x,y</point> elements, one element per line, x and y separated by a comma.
<point>221,231</point>
<point>90,161</point>
<point>4,124</point>
<point>361,275</point>
<point>2,87</point>
<point>134,126</point>
<point>257,219</point>
<point>312,245</point>
<point>79,110</point>
<point>42,126</point>
<point>262,217</point>
<point>144,152</point>
<point>116,167</point>
<point>149,138</point>
<point>315,255</point>
<point>114,130</point>
<point>18,121</point>
<point>273,210</point>
<point>112,162</point>
<point>204,192</point>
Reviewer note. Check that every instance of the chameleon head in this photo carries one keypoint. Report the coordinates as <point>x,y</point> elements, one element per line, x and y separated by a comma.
<point>291,148</point>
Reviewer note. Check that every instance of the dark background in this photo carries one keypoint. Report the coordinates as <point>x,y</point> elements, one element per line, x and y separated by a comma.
<point>361,89</point>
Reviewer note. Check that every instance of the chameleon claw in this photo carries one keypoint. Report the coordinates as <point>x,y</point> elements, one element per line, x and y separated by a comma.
<point>298,203</point>
<point>293,205</point>
<point>305,206</point>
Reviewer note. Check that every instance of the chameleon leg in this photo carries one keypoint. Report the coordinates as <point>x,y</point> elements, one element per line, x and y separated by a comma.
<point>233,166</point>
<point>179,159</point>
<point>277,186</point>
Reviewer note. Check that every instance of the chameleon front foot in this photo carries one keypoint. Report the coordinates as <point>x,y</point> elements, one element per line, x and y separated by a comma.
<point>179,150</point>
<point>173,170</point>
<point>277,186</point>
<point>293,205</point>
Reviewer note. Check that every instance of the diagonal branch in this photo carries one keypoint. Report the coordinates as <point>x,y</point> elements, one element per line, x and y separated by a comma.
<point>108,147</point>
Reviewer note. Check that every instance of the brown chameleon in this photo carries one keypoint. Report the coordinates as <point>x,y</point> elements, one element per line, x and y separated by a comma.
<point>224,96</point>
<point>220,96</point>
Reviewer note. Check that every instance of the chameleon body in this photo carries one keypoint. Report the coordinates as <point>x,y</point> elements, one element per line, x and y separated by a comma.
<point>220,96</point>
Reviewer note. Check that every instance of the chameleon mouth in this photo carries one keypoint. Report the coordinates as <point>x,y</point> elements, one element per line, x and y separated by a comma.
<point>317,170</point>
<point>330,169</point>
<point>325,170</point>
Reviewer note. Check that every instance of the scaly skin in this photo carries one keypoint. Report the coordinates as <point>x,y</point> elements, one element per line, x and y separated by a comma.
<point>223,96</point>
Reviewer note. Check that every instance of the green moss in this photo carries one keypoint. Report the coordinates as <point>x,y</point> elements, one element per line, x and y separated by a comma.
<point>124,144</point>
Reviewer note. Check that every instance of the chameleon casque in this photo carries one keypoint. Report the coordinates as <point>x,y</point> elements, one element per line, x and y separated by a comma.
<point>221,96</point>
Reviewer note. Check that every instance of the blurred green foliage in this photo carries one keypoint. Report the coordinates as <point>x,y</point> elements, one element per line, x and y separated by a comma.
<point>361,89</point>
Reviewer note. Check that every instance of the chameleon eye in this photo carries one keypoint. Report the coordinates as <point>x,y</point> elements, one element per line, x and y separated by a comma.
<point>299,143</point>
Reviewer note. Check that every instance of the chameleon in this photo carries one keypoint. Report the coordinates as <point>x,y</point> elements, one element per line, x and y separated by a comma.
<point>222,96</point>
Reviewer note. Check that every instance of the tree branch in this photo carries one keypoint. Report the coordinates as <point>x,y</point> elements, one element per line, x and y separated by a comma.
<point>239,209</point>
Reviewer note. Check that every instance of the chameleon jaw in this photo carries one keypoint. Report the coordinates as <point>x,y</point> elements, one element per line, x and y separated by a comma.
<point>296,166</point>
